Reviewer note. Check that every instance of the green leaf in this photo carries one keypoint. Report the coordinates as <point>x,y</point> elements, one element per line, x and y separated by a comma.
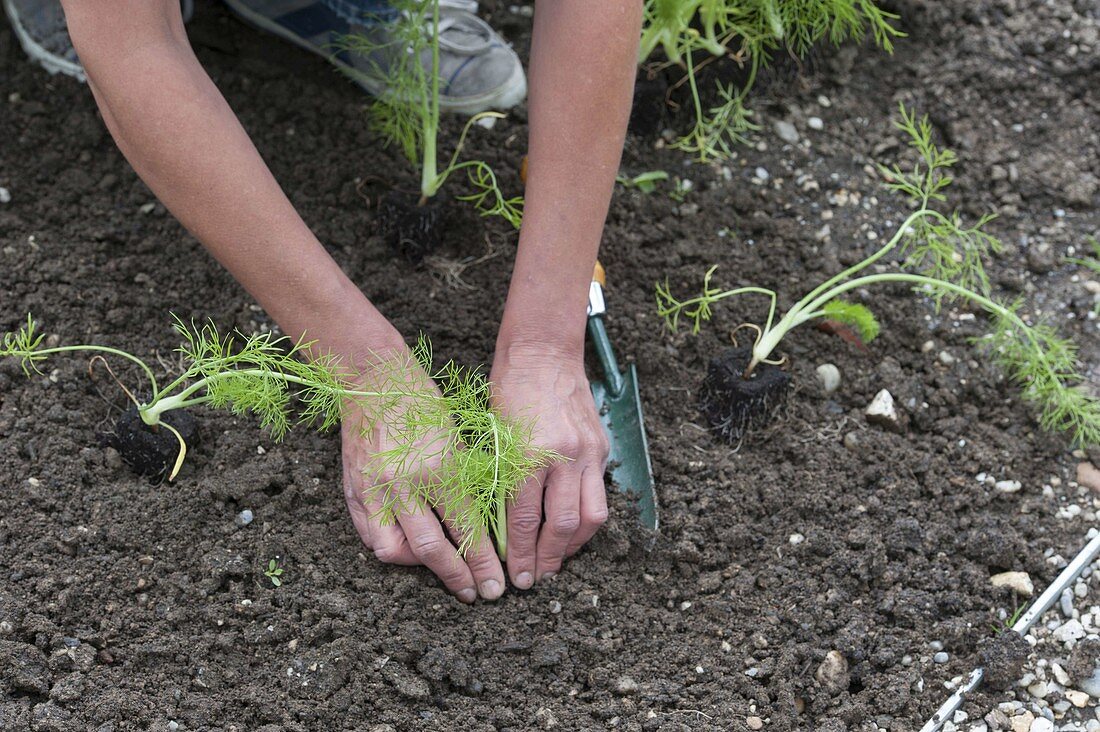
<point>858,316</point>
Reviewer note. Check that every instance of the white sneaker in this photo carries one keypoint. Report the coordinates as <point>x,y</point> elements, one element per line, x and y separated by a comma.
<point>40,27</point>
<point>480,71</point>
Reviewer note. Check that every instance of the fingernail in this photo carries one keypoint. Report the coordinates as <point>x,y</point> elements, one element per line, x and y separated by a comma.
<point>468,595</point>
<point>548,576</point>
<point>524,580</point>
<point>490,589</point>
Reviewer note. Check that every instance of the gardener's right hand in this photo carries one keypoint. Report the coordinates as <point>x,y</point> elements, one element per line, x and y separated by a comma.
<point>419,535</point>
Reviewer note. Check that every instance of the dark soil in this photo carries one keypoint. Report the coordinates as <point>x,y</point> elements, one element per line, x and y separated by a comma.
<point>412,229</point>
<point>152,452</point>
<point>125,606</point>
<point>1003,657</point>
<point>733,403</point>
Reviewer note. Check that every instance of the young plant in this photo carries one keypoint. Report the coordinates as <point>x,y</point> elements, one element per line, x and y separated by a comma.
<point>407,112</point>
<point>445,446</point>
<point>261,375</point>
<point>644,182</point>
<point>274,572</point>
<point>750,32</point>
<point>464,458</point>
<point>942,258</point>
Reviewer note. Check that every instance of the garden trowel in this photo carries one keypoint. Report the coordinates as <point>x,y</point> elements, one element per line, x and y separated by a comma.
<point>620,409</point>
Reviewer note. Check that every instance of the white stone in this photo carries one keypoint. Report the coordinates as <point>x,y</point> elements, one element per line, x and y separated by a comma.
<point>815,123</point>
<point>828,375</point>
<point>5,195</point>
<point>1038,690</point>
<point>1060,674</point>
<point>1042,724</point>
<point>1091,685</point>
<point>786,131</point>
<point>1008,486</point>
<point>1077,698</point>
<point>881,411</point>
<point>1020,582</point>
<point>1022,721</point>
<point>1071,630</point>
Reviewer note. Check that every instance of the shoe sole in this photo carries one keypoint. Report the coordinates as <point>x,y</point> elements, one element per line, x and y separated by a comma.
<point>51,62</point>
<point>508,95</point>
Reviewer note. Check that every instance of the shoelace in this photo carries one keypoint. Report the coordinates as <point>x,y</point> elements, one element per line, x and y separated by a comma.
<point>468,23</point>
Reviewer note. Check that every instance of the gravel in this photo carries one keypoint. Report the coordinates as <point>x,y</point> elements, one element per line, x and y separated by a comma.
<point>1058,687</point>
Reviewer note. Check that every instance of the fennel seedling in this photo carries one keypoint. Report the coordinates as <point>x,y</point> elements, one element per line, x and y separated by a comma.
<point>449,448</point>
<point>262,376</point>
<point>407,113</point>
<point>943,259</point>
<point>465,459</point>
<point>748,31</point>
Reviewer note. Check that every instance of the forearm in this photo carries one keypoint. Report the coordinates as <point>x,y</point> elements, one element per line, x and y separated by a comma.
<point>182,138</point>
<point>583,62</point>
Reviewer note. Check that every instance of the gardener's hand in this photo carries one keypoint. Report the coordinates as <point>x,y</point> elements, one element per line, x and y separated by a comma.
<point>418,536</point>
<point>532,383</point>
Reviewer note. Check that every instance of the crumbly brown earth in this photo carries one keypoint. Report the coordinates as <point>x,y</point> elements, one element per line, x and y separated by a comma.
<point>125,605</point>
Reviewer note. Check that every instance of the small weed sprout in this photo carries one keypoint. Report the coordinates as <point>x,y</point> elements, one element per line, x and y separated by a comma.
<point>447,447</point>
<point>1007,623</point>
<point>407,113</point>
<point>644,182</point>
<point>274,573</point>
<point>941,258</point>
<point>748,31</point>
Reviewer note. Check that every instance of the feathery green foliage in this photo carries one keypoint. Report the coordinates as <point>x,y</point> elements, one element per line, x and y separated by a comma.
<point>461,456</point>
<point>450,449</point>
<point>749,31</point>
<point>391,55</point>
<point>854,314</point>
<point>943,258</point>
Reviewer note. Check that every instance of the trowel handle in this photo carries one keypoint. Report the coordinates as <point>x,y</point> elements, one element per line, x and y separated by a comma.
<point>612,377</point>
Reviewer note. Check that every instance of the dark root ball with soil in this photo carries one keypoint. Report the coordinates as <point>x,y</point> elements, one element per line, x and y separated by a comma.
<point>1003,657</point>
<point>732,403</point>
<point>412,230</point>
<point>148,451</point>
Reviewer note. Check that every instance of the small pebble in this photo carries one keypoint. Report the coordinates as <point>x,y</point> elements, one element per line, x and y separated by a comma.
<point>815,123</point>
<point>1008,486</point>
<point>1078,699</point>
<point>828,375</point>
<point>244,518</point>
<point>1020,582</point>
<point>940,657</point>
<point>762,173</point>
<point>786,131</point>
<point>1066,603</point>
<point>555,607</point>
<point>754,723</point>
<point>1042,724</point>
<point>626,686</point>
<point>5,195</point>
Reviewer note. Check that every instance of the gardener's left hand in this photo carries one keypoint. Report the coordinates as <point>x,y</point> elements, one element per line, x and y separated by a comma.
<point>533,383</point>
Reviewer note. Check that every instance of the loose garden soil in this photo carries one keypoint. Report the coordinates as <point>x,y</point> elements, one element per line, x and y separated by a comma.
<point>127,605</point>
